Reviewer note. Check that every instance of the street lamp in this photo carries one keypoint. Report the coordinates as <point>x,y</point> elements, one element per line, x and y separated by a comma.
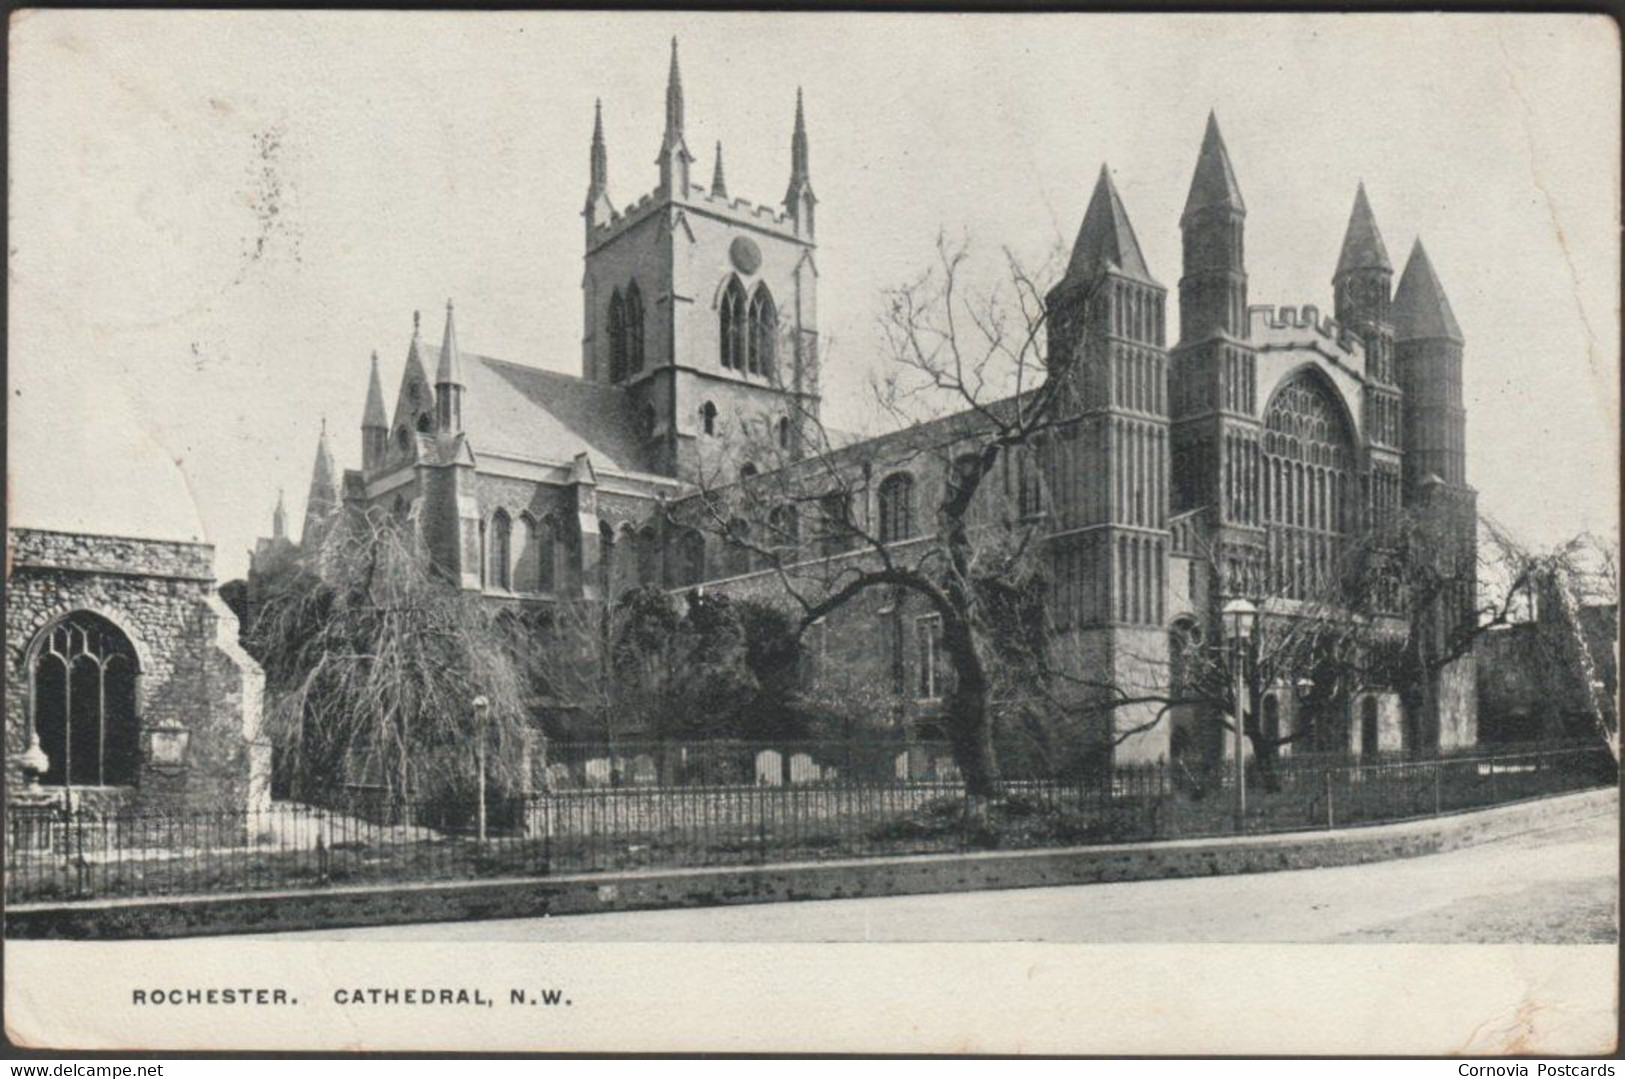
<point>1238,617</point>
<point>481,706</point>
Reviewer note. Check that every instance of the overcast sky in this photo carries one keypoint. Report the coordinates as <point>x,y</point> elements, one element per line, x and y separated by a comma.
<point>221,215</point>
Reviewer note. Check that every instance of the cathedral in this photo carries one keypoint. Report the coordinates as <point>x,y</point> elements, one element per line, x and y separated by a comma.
<point>1234,460</point>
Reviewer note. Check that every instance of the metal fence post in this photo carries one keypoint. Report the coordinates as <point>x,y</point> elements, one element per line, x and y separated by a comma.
<point>1438,767</point>
<point>1331,819</point>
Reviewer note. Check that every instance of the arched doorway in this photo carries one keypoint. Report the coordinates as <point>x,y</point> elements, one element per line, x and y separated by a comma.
<point>82,691</point>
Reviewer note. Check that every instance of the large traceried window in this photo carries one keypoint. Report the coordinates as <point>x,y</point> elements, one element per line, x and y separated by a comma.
<point>617,337</point>
<point>732,326</point>
<point>634,329</point>
<point>83,702</point>
<point>896,507</point>
<point>764,332</point>
<point>1309,486</point>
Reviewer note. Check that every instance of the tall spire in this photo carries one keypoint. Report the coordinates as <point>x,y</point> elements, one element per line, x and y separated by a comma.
<point>599,209</point>
<point>1214,183</point>
<point>798,143</point>
<point>799,199</point>
<point>1421,310</point>
<point>450,371</point>
<point>719,183</point>
<point>324,492</point>
<point>448,379</point>
<point>279,518</point>
<point>373,415</point>
<point>599,165</point>
<point>674,157</point>
<point>414,403</point>
<point>374,422</point>
<point>1362,243</point>
<point>674,98</point>
<point>1106,240</point>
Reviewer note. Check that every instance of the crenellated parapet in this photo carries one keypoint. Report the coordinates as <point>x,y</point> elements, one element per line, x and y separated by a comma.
<point>738,210</point>
<point>1306,327</point>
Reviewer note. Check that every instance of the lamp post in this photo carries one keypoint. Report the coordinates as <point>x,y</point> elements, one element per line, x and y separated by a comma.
<point>481,706</point>
<point>1238,617</point>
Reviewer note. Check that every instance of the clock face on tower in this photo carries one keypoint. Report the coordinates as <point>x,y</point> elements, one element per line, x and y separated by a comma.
<point>746,256</point>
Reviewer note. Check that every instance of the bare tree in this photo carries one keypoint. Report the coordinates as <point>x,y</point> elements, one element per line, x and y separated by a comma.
<point>972,389</point>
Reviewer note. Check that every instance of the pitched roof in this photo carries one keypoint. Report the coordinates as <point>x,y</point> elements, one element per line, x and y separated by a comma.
<point>1214,183</point>
<point>1421,310</point>
<point>523,411</point>
<point>1362,243</point>
<point>1106,239</point>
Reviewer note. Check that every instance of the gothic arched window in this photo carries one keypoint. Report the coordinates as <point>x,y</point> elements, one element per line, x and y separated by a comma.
<point>634,329</point>
<point>425,424</point>
<point>547,547</point>
<point>835,532</point>
<point>526,571</point>
<point>784,432</point>
<point>617,337</point>
<point>1307,468</point>
<point>784,523</point>
<point>896,507</point>
<point>83,697</point>
<point>708,418</point>
<point>403,438</point>
<point>690,564</point>
<point>501,550</point>
<point>731,325</point>
<point>764,331</point>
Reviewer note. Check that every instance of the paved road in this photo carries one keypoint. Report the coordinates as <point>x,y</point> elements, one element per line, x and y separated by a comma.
<point>1554,886</point>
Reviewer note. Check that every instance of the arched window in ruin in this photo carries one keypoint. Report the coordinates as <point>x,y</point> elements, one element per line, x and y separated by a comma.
<point>633,314</point>
<point>731,325</point>
<point>764,331</point>
<point>896,507</point>
<point>617,337</point>
<point>82,699</point>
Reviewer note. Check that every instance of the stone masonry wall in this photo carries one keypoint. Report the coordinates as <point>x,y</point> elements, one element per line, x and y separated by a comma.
<point>194,675</point>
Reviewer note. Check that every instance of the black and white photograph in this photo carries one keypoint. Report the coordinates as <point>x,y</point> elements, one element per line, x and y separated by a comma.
<point>513,517</point>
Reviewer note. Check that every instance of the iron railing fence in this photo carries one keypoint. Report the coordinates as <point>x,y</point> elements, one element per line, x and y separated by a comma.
<point>56,854</point>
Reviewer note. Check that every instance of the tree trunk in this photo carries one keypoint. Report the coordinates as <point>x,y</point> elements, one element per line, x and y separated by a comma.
<point>969,726</point>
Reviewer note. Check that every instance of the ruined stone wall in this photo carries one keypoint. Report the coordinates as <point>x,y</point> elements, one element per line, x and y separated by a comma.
<point>194,675</point>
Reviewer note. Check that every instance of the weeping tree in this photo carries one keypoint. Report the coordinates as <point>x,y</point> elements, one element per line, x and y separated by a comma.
<point>373,660</point>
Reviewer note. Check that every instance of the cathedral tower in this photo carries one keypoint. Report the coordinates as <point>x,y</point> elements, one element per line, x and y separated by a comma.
<point>1109,467</point>
<point>1428,346</point>
<point>704,306</point>
<point>1362,284</point>
<point>1213,385</point>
